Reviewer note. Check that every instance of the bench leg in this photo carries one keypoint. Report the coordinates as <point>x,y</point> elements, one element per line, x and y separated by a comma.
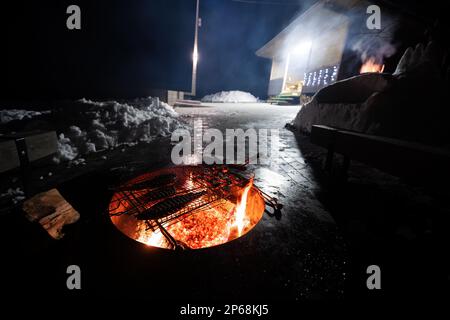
<point>329,160</point>
<point>25,168</point>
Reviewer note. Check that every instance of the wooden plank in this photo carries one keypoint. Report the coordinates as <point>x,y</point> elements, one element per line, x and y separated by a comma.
<point>52,212</point>
<point>38,144</point>
<point>397,157</point>
<point>188,103</point>
<point>41,145</point>
<point>9,158</point>
<point>323,136</point>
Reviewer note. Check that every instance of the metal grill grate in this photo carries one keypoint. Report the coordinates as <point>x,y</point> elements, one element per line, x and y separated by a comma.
<point>165,200</point>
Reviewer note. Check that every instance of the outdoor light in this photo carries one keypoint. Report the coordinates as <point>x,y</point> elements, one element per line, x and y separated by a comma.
<point>302,48</point>
<point>195,52</point>
<point>195,56</point>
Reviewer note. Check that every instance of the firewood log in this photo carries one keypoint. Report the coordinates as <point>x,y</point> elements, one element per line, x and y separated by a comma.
<point>52,211</point>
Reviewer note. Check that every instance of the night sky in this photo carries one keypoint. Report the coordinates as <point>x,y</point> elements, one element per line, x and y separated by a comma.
<point>231,33</point>
<point>126,48</point>
<point>123,49</point>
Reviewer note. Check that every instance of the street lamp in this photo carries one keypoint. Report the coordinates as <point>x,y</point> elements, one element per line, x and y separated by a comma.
<point>195,51</point>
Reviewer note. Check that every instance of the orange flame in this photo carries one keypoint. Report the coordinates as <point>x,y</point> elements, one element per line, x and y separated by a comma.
<point>155,239</point>
<point>371,65</point>
<point>241,206</point>
<point>213,225</point>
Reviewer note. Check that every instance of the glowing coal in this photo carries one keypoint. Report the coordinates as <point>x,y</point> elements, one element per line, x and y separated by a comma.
<point>229,208</point>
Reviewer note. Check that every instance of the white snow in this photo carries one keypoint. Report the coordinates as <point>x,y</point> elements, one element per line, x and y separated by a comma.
<point>345,104</point>
<point>414,57</point>
<point>17,195</point>
<point>339,115</point>
<point>230,97</point>
<point>18,114</point>
<point>66,151</point>
<point>112,124</point>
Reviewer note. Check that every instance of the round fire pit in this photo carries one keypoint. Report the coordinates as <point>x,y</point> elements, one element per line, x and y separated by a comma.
<point>187,207</point>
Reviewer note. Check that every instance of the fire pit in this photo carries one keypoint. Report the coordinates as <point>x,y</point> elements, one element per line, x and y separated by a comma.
<point>188,207</point>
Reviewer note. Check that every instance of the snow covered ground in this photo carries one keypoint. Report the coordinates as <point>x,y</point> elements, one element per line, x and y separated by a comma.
<point>230,97</point>
<point>18,114</point>
<point>86,126</point>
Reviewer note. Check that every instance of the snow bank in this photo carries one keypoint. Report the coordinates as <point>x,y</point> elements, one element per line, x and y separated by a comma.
<point>344,104</point>
<point>409,105</point>
<point>107,125</point>
<point>414,57</point>
<point>230,97</point>
<point>18,114</point>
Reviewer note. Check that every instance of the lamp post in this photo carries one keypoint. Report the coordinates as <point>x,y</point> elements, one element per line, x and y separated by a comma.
<point>195,51</point>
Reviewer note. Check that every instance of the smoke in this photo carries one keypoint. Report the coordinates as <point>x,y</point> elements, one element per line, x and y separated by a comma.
<point>324,23</point>
<point>374,47</point>
<point>232,31</point>
<point>374,44</point>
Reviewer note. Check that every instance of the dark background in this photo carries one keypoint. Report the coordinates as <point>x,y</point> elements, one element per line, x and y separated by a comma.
<point>123,49</point>
<point>127,48</point>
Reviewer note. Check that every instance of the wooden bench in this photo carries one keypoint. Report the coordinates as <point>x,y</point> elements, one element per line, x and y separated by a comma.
<point>19,150</point>
<point>284,99</point>
<point>414,161</point>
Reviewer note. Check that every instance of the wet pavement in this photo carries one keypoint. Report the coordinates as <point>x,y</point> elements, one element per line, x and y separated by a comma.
<point>306,238</point>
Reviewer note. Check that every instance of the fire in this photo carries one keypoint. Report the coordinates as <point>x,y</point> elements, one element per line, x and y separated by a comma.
<point>371,65</point>
<point>207,228</point>
<point>215,224</point>
<point>241,206</point>
<point>155,239</point>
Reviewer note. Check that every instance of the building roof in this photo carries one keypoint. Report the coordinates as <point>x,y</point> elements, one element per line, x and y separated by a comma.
<point>330,12</point>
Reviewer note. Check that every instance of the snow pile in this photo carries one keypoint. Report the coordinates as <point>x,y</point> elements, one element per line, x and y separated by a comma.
<point>66,149</point>
<point>107,125</point>
<point>230,97</point>
<point>344,104</point>
<point>407,105</point>
<point>18,114</point>
<point>16,195</point>
<point>414,57</point>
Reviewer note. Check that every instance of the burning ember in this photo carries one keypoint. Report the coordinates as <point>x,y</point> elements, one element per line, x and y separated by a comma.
<point>190,207</point>
<point>371,65</point>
